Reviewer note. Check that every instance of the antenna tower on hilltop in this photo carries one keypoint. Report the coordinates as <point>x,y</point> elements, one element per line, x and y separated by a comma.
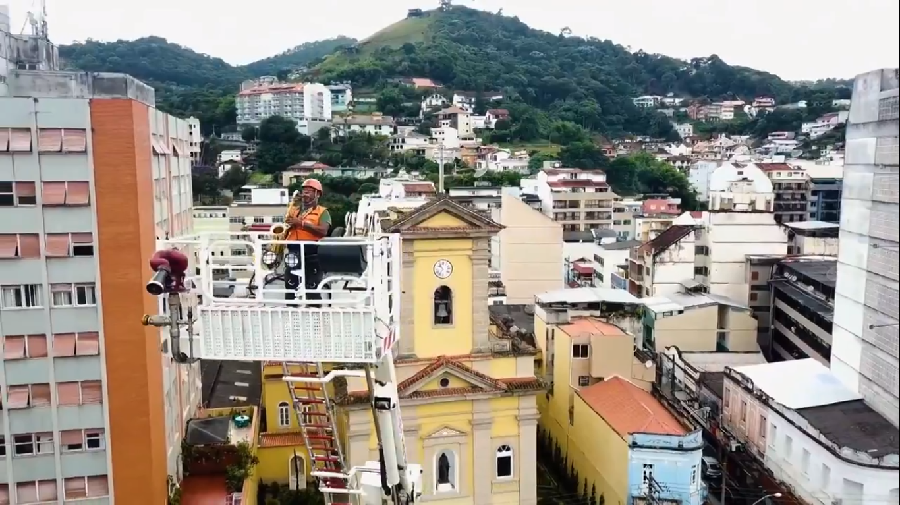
<point>445,5</point>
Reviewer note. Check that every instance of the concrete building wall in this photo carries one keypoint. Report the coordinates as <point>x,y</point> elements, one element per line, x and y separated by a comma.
<point>865,348</point>
<point>530,252</point>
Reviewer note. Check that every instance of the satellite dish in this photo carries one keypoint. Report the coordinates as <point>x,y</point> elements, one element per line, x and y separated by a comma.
<point>480,172</point>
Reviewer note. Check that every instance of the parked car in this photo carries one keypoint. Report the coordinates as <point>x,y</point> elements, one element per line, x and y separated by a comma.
<point>711,468</point>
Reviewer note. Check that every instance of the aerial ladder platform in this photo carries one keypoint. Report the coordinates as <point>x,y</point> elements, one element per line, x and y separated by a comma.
<point>225,298</point>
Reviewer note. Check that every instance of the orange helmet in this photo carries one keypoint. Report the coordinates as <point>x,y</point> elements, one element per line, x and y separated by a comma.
<point>312,183</point>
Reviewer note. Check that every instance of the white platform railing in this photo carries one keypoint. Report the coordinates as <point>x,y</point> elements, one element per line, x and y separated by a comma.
<point>246,312</point>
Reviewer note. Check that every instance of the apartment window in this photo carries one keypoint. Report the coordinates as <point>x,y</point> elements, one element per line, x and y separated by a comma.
<point>773,435</point>
<point>726,399</point>
<point>64,245</point>
<point>762,427</point>
<point>743,411</point>
<point>29,395</point>
<point>504,462</point>
<point>79,393</point>
<point>77,295</point>
<point>24,346</point>
<point>55,140</point>
<point>695,476</point>
<point>804,462</point>
<point>284,415</point>
<point>21,246</point>
<point>754,275</point>
<point>581,351</point>
<point>86,487</point>
<point>259,220</point>
<point>236,220</point>
<point>30,444</point>
<point>584,380</point>
<point>15,140</point>
<point>76,344</point>
<point>788,447</point>
<point>18,194</point>
<point>82,440</point>
<point>65,193</point>
<point>21,297</point>
<point>754,297</point>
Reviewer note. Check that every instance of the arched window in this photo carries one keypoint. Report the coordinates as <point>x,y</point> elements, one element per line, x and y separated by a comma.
<point>504,462</point>
<point>443,306</point>
<point>297,472</point>
<point>445,472</point>
<point>284,415</point>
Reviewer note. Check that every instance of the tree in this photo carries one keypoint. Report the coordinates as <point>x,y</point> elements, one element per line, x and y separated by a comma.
<point>280,144</point>
<point>234,178</point>
<point>249,133</point>
<point>582,155</point>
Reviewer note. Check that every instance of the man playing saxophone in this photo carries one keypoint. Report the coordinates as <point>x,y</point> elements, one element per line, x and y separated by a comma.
<point>309,222</point>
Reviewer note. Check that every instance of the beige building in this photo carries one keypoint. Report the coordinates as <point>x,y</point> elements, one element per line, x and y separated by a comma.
<point>581,200</point>
<point>696,322</point>
<point>528,252</point>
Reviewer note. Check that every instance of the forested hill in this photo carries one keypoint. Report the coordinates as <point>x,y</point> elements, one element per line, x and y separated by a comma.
<point>590,81</point>
<point>189,83</point>
<point>545,77</point>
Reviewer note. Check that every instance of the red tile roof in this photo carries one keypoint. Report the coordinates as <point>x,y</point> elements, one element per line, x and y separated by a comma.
<point>498,112</point>
<point>769,167</point>
<point>583,269</point>
<point>275,89</point>
<point>423,82</point>
<point>669,237</point>
<point>577,183</point>
<point>592,326</point>
<point>629,409</point>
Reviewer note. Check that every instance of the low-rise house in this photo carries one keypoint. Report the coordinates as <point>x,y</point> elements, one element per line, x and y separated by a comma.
<point>493,115</point>
<point>625,447</point>
<point>375,124</point>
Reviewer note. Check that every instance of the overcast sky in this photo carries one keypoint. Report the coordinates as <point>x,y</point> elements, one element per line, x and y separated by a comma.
<point>796,39</point>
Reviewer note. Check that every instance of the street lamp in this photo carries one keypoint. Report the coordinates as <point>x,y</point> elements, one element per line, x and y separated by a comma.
<point>766,497</point>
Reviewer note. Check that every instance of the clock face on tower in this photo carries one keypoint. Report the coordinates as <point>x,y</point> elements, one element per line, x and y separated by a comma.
<point>443,269</point>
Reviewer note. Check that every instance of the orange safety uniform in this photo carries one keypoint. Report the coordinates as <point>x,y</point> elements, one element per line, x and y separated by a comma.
<point>312,215</point>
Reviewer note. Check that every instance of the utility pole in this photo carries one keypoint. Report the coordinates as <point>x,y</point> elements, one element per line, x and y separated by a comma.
<point>441,169</point>
<point>723,458</point>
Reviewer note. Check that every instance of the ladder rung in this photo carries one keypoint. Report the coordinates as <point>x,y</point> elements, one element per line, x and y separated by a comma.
<point>321,447</point>
<point>329,475</point>
<point>315,413</point>
<point>317,426</point>
<point>320,437</point>
<point>310,400</point>
<point>327,459</point>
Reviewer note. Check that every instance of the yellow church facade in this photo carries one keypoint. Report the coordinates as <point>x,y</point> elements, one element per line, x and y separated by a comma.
<point>468,398</point>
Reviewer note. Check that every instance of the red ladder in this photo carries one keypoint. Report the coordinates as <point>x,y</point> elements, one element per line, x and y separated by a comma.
<point>316,417</point>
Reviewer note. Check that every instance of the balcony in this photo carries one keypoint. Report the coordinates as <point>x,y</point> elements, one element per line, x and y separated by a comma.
<point>219,457</point>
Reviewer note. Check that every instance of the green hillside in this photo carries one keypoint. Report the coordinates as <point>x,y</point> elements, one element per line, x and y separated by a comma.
<point>405,31</point>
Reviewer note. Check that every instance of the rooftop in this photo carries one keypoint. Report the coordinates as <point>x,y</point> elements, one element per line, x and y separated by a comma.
<point>520,316</point>
<point>823,271</point>
<point>669,237</point>
<point>812,225</point>
<point>230,383</point>
<point>812,384</point>
<point>855,425</point>
<point>591,326</point>
<point>618,246</point>
<point>587,295</point>
<point>629,409</point>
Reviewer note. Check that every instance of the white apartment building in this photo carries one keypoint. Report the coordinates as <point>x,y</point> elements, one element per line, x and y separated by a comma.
<point>740,187</point>
<point>581,200</point>
<point>867,309</point>
<point>812,432</point>
<point>684,129</point>
<point>196,139</point>
<point>309,104</point>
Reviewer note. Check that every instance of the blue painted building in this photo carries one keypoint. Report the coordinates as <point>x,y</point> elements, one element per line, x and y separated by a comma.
<point>341,97</point>
<point>666,467</point>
